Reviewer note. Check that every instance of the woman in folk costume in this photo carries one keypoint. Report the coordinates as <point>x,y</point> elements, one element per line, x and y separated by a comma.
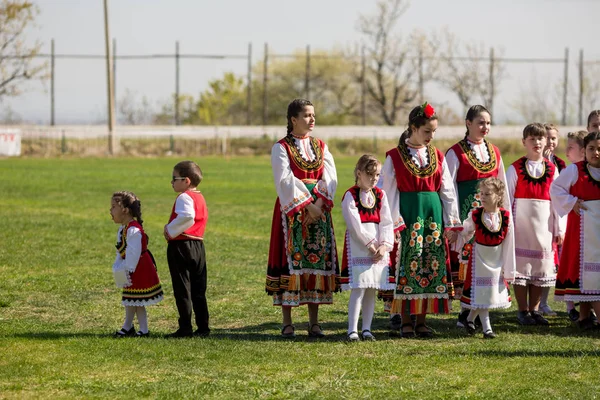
<point>303,265</point>
<point>537,226</point>
<point>491,263</point>
<point>422,200</point>
<point>576,193</point>
<point>469,161</point>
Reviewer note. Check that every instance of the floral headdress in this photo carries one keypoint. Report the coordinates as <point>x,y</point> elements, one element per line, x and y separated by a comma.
<point>426,111</point>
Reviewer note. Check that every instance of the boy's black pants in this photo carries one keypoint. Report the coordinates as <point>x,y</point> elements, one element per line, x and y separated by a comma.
<point>187,265</point>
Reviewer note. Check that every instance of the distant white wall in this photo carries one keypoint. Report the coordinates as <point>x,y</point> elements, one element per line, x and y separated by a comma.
<point>275,132</point>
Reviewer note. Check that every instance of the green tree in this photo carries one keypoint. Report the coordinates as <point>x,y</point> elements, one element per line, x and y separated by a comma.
<point>16,57</point>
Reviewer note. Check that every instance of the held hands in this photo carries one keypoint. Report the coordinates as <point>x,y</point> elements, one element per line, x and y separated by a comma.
<point>559,240</point>
<point>377,252</point>
<point>451,236</point>
<point>579,206</point>
<point>314,212</point>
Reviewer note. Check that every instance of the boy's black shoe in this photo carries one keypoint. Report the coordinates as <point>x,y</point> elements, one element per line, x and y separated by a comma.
<point>539,318</point>
<point>525,319</point>
<point>179,334</point>
<point>574,315</point>
<point>199,333</point>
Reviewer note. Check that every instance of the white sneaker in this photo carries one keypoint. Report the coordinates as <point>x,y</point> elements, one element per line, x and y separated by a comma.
<point>546,310</point>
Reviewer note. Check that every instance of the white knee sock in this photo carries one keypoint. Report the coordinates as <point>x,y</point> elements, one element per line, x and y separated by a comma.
<point>129,315</point>
<point>544,299</point>
<point>356,296</point>
<point>368,308</point>
<point>484,316</point>
<point>473,314</point>
<point>142,318</point>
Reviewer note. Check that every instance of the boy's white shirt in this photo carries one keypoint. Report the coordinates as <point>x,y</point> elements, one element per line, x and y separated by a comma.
<point>184,208</point>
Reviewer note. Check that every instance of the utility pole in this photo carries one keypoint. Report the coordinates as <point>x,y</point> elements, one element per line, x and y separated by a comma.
<point>109,74</point>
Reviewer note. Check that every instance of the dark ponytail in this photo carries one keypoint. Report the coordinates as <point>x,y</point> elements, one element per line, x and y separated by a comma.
<point>294,108</point>
<point>417,119</point>
<point>473,113</point>
<point>130,200</point>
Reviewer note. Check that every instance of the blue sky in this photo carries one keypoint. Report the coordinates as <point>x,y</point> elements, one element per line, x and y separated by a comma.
<point>523,28</point>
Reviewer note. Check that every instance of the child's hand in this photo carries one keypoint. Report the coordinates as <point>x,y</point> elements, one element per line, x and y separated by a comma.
<point>559,239</point>
<point>397,236</point>
<point>379,253</point>
<point>579,206</point>
<point>547,153</point>
<point>451,236</point>
<point>166,233</point>
<point>314,211</point>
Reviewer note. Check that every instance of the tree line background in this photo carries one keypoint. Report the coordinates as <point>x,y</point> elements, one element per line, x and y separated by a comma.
<point>374,82</point>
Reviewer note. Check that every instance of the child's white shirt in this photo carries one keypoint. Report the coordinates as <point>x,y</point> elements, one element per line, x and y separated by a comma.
<point>562,200</point>
<point>186,213</point>
<point>383,235</point>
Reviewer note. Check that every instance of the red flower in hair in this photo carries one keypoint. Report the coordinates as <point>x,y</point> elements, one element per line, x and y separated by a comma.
<point>428,110</point>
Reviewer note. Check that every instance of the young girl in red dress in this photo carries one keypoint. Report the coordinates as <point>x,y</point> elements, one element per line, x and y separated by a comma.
<point>576,193</point>
<point>368,241</point>
<point>134,269</point>
<point>491,263</point>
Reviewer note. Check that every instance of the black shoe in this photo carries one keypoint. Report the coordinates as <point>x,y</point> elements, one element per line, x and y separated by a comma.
<point>396,322</point>
<point>489,335</point>
<point>367,335</point>
<point>426,333</point>
<point>470,327</point>
<point>408,334</point>
<point>587,324</point>
<point>524,318</point>
<point>462,319</point>
<point>288,335</point>
<point>142,334</point>
<point>315,334</point>
<point>199,333</point>
<point>179,334</point>
<point>353,337</point>
<point>121,333</point>
<point>574,315</point>
<point>539,318</point>
<point>593,317</point>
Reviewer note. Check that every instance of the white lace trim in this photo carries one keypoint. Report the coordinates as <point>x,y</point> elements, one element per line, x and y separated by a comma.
<point>540,282</point>
<point>421,296</point>
<point>484,306</point>
<point>387,286</point>
<point>577,298</point>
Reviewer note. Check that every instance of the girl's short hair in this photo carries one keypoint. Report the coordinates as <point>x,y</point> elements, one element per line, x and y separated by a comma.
<point>592,115</point>
<point>550,127</point>
<point>536,130</point>
<point>578,136</point>
<point>191,170</point>
<point>131,201</point>
<point>366,163</point>
<point>497,187</point>
<point>590,137</point>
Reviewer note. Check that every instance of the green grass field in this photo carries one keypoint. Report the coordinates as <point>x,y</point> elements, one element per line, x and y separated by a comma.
<point>59,305</point>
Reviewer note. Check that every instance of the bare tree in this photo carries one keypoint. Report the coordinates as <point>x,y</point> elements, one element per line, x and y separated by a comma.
<point>391,79</point>
<point>537,102</point>
<point>133,111</point>
<point>17,57</point>
<point>468,72</point>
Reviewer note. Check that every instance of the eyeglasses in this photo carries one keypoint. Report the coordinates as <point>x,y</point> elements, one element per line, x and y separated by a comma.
<point>177,178</point>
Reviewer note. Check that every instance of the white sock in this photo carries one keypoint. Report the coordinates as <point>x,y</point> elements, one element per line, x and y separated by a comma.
<point>544,299</point>
<point>570,305</point>
<point>368,308</point>
<point>129,314</point>
<point>142,317</point>
<point>473,314</point>
<point>356,296</point>
<point>484,316</point>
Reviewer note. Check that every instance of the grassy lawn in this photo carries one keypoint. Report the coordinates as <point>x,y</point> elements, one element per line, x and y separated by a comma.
<point>59,305</point>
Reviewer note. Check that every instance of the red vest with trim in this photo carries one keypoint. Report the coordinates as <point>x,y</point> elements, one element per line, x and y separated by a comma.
<point>301,168</point>
<point>196,231</point>
<point>529,187</point>
<point>586,188</point>
<point>367,214</point>
<point>411,178</point>
<point>470,168</point>
<point>483,235</point>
